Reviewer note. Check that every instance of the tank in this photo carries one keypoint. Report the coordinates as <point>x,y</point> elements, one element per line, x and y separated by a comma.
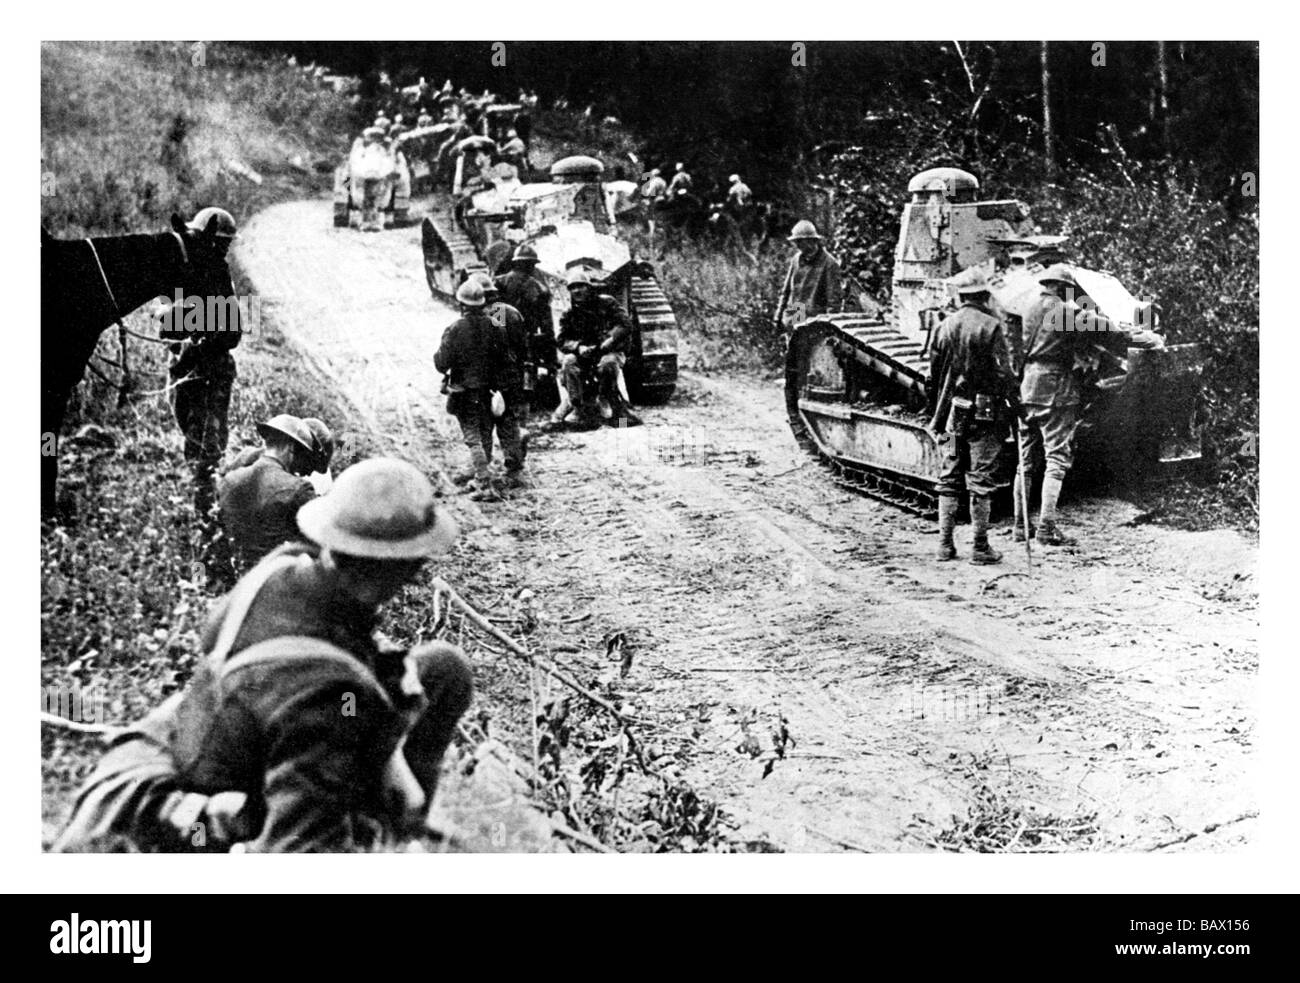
<point>383,171</point>
<point>567,221</point>
<point>857,386</point>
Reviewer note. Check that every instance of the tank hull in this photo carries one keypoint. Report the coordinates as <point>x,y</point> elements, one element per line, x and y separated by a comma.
<point>857,396</point>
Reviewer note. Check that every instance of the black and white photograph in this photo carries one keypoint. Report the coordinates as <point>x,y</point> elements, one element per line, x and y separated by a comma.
<point>646,447</point>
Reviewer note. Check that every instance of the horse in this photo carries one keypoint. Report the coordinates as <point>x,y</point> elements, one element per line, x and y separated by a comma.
<point>88,285</point>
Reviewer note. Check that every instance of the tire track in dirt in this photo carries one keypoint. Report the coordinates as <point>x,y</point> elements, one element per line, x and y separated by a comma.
<point>752,588</point>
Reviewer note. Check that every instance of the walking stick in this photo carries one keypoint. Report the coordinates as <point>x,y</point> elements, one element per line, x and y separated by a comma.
<point>1023,481</point>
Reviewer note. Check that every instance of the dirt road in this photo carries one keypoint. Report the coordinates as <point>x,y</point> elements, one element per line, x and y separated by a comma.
<point>1104,702</point>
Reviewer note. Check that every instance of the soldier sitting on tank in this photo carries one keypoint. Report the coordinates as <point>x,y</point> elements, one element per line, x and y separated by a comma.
<point>523,290</point>
<point>812,282</point>
<point>1058,338</point>
<point>301,730</point>
<point>474,360</point>
<point>595,333</point>
<point>975,402</point>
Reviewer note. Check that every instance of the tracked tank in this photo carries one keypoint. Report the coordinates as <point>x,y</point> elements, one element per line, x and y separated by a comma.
<point>566,220</point>
<point>857,386</point>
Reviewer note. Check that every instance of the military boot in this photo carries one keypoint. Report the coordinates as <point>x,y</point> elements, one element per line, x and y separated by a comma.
<point>947,523</point>
<point>982,553</point>
<point>1048,534</point>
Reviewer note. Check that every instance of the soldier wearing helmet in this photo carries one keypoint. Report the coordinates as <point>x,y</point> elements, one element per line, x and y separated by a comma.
<point>595,334</point>
<point>515,151</point>
<point>523,290</point>
<point>474,361</point>
<point>259,502</point>
<point>812,283</point>
<point>680,184</point>
<point>1058,337</point>
<point>739,197</point>
<point>975,401</point>
<point>301,730</point>
<point>515,335</point>
<point>203,328</point>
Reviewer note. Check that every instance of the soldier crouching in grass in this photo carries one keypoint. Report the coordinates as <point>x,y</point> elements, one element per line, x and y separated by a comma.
<point>300,732</point>
<point>259,502</point>
<point>976,398</point>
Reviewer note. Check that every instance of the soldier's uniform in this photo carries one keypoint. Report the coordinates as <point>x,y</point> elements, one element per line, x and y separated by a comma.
<point>975,395</point>
<point>259,506</point>
<point>1057,337</point>
<point>601,324</point>
<point>473,358</point>
<point>515,336</point>
<point>679,185</point>
<point>295,711</point>
<point>812,286</point>
<point>529,296</point>
<point>203,374</point>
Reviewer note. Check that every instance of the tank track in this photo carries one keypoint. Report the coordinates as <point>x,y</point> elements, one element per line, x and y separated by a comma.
<point>652,312</point>
<point>447,246</point>
<point>893,356</point>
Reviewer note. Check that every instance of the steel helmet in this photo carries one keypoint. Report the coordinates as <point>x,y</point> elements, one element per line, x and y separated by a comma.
<point>975,284</point>
<point>577,277</point>
<point>484,280</point>
<point>373,132</point>
<point>524,254</point>
<point>803,229</point>
<point>202,222</point>
<point>733,179</point>
<point>470,294</point>
<point>287,425</point>
<point>1058,273</point>
<point>322,439</point>
<point>381,509</point>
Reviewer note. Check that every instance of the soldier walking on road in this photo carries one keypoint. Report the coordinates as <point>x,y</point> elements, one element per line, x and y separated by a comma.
<point>524,291</point>
<point>812,282</point>
<point>1058,335</point>
<point>473,360</point>
<point>514,446</point>
<point>975,402</point>
<point>300,731</point>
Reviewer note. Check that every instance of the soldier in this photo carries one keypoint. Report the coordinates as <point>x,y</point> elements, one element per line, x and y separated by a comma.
<point>514,448</point>
<point>514,151</point>
<point>680,184</point>
<point>654,187</point>
<point>322,454</point>
<point>472,358</point>
<point>595,333</point>
<point>975,399</point>
<point>523,290</point>
<point>259,502</point>
<point>300,730</point>
<point>652,197</point>
<point>812,283</point>
<point>739,196</point>
<point>1058,335</point>
<point>203,369</point>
